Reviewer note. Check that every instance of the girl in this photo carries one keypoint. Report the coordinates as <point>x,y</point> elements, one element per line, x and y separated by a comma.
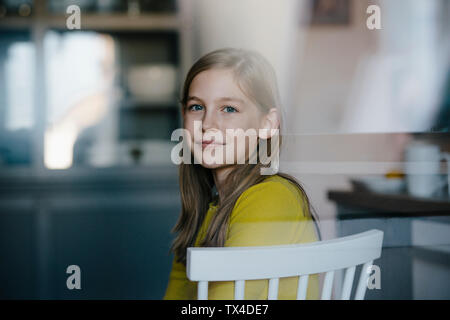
<point>230,203</point>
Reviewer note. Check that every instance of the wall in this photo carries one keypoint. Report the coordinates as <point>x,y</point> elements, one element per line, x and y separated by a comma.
<point>269,27</point>
<point>335,95</point>
<point>327,65</point>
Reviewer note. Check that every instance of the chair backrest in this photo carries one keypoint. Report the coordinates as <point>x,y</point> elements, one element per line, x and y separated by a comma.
<point>273,262</point>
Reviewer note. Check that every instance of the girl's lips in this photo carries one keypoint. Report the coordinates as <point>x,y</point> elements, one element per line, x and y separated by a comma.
<point>206,143</point>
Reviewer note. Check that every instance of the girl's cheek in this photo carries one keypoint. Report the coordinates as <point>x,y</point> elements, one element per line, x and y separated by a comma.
<point>189,126</point>
<point>240,147</point>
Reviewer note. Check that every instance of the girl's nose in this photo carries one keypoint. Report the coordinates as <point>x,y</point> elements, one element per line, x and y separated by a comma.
<point>209,121</point>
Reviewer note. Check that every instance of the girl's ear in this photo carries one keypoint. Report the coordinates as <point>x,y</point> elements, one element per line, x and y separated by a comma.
<point>270,121</point>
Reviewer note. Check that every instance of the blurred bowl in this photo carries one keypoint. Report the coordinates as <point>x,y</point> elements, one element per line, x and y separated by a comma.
<point>380,184</point>
<point>152,82</point>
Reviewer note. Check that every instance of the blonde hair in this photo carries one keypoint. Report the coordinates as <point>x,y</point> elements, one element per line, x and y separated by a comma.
<point>257,79</point>
<point>252,72</point>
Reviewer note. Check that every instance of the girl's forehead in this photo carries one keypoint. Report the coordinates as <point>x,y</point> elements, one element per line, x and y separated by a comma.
<point>215,82</point>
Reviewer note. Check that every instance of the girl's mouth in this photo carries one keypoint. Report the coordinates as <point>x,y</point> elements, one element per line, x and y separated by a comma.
<point>206,143</point>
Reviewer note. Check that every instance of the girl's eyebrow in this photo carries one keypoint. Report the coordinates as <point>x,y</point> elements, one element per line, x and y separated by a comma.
<point>219,99</point>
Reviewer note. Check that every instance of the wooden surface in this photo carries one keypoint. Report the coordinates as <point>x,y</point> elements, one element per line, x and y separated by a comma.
<point>398,205</point>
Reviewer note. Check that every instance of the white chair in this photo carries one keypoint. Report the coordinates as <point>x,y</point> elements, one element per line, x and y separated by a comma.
<point>273,262</point>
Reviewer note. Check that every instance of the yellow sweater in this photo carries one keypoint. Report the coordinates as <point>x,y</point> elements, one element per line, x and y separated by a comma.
<point>269,213</point>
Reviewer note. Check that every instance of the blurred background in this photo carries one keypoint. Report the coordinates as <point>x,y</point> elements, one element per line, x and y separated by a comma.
<point>86,118</point>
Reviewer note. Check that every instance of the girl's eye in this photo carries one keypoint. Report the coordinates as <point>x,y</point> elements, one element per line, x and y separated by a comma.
<point>195,107</point>
<point>229,109</point>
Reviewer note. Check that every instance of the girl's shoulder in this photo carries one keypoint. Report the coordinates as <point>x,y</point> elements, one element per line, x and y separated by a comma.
<point>281,182</point>
<point>275,187</point>
<point>275,195</point>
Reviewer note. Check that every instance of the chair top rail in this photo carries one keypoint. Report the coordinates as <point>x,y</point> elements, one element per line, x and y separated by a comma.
<point>251,263</point>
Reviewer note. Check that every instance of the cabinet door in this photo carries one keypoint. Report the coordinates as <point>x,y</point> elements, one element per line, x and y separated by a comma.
<point>18,275</point>
<point>121,244</point>
<point>395,262</point>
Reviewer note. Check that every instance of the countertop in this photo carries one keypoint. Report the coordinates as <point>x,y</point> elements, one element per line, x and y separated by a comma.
<point>389,204</point>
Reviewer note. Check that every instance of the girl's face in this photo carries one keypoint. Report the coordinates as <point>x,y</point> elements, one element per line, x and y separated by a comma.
<point>217,103</point>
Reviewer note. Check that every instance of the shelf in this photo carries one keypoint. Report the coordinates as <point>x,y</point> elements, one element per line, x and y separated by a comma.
<point>120,22</point>
<point>16,23</point>
<point>101,22</point>
<point>14,179</point>
<point>150,37</point>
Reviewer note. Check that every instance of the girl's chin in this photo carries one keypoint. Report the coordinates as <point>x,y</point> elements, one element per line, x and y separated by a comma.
<point>210,163</point>
<point>207,160</point>
<point>214,166</point>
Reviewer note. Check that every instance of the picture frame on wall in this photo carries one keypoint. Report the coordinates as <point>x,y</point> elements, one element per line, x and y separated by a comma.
<point>330,12</point>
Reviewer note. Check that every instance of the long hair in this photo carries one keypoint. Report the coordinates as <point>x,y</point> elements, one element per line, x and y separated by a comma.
<point>256,78</point>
